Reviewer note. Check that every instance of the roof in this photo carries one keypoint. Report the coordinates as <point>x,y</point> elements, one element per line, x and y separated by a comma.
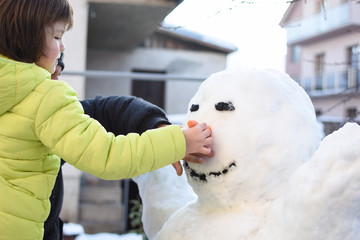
<point>196,37</point>
<point>292,11</point>
<point>124,24</point>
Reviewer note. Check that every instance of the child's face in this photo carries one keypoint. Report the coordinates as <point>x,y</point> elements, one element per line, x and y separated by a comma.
<point>54,46</point>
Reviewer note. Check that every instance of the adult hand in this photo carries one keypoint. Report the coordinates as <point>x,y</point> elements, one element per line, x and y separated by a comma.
<point>57,73</point>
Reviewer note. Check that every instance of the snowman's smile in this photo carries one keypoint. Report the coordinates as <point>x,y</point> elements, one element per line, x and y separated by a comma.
<point>203,176</point>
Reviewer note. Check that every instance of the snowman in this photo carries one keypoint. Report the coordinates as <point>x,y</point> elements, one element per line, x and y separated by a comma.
<point>272,177</point>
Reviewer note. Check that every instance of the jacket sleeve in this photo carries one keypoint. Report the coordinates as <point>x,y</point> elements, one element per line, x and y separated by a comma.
<point>125,114</point>
<point>62,127</point>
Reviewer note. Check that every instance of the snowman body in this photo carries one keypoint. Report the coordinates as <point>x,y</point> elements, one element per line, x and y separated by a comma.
<point>263,183</point>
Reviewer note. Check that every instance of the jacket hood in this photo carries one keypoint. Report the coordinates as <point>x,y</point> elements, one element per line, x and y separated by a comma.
<point>17,80</point>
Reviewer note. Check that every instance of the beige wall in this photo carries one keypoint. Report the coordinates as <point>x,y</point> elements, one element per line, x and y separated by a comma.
<point>178,93</point>
<point>312,7</point>
<point>335,50</point>
<point>331,107</point>
<point>75,47</point>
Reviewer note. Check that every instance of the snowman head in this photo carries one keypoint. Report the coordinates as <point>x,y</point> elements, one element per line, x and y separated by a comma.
<point>264,127</point>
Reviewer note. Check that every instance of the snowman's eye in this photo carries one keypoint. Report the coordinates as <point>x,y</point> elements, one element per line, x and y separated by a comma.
<point>194,107</point>
<point>224,106</point>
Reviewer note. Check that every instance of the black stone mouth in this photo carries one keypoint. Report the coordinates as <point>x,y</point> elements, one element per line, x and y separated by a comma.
<point>203,176</point>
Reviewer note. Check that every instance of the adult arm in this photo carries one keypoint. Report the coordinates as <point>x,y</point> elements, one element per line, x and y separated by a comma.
<point>125,114</point>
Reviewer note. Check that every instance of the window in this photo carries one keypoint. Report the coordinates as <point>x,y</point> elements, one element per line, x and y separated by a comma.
<point>353,61</point>
<point>319,63</point>
<point>318,112</point>
<point>307,84</point>
<point>151,90</point>
<point>353,56</point>
<point>318,6</point>
<point>330,81</point>
<point>351,114</point>
<point>319,71</point>
<point>343,80</point>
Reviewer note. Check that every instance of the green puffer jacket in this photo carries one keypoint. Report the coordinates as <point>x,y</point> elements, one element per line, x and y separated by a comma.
<point>40,120</point>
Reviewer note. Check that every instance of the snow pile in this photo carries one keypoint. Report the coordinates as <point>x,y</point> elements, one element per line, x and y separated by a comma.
<point>74,229</point>
<point>109,236</point>
<point>264,183</point>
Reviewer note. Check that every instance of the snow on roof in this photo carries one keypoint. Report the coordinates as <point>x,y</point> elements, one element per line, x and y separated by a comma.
<point>189,35</point>
<point>287,14</point>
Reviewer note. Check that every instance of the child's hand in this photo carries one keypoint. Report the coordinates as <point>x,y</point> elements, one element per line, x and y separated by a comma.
<point>198,140</point>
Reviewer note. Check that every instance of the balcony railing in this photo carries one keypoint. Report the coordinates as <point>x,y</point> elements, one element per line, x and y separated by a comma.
<point>331,83</point>
<point>318,24</point>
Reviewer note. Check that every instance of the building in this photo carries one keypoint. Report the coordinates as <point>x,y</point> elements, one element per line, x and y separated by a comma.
<point>121,47</point>
<point>108,24</point>
<point>168,51</point>
<point>323,53</point>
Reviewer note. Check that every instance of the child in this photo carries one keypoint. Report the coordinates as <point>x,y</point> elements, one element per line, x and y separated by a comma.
<point>117,114</point>
<point>41,120</point>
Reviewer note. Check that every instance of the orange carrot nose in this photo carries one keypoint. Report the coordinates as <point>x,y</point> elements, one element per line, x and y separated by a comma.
<point>191,123</point>
<point>208,127</point>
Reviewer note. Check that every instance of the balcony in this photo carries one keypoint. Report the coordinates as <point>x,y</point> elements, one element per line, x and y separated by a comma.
<point>332,83</point>
<point>326,24</point>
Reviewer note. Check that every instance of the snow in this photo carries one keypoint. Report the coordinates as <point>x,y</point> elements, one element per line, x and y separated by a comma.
<point>74,229</point>
<point>176,118</point>
<point>71,229</point>
<point>109,236</point>
<point>272,177</point>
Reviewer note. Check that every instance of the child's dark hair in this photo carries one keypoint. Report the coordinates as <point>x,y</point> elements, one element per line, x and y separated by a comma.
<point>22,26</point>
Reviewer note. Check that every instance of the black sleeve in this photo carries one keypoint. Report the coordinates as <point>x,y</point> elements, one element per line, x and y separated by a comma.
<point>125,114</point>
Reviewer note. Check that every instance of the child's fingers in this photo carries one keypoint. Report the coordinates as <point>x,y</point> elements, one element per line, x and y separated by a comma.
<point>208,141</point>
<point>212,154</point>
<point>209,128</point>
<point>205,150</point>
<point>207,132</point>
<point>199,156</point>
<point>178,168</point>
<point>208,153</point>
<point>194,158</point>
<point>201,126</point>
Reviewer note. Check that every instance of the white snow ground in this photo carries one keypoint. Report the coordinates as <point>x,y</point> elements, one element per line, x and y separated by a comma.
<point>74,228</point>
<point>109,236</point>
